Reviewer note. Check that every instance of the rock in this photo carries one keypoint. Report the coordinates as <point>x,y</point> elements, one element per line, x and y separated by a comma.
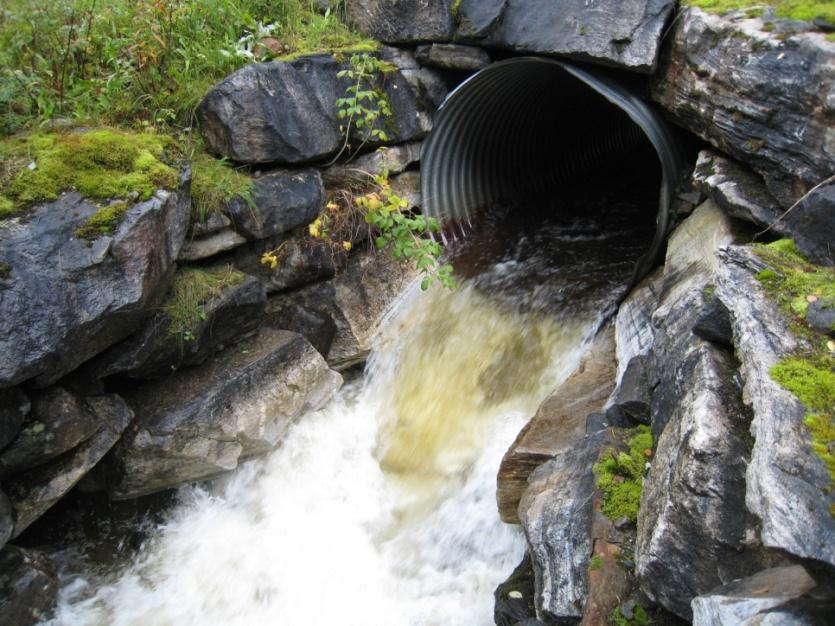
<point>281,201</point>
<point>689,269</point>
<point>33,492</point>
<point>784,475</point>
<point>737,189</point>
<point>811,224</point>
<point>214,222</point>
<point>66,300</point>
<point>6,519</point>
<point>450,56</point>
<point>407,187</point>
<point>559,424</point>
<point>201,422</point>
<point>820,315</point>
<point>634,332</point>
<point>210,245</point>
<point>58,422</point>
<point>391,159</point>
<point>28,587</point>
<point>153,351</point>
<point>402,21</point>
<point>693,527</point>
<point>429,86</point>
<point>514,598</point>
<point>714,323</point>
<point>356,300</point>
<point>556,514</point>
<point>632,395</point>
<point>761,97</point>
<point>14,407</point>
<point>285,112</point>
<point>623,33</point>
<point>318,328</point>
<point>477,18</point>
<point>768,597</point>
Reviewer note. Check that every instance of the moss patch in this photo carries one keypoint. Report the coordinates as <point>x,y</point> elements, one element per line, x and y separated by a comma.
<point>214,183</point>
<point>99,164</point>
<point>595,563</point>
<point>792,9</point>
<point>102,222</point>
<point>620,477</point>
<point>191,290</point>
<point>810,374</point>
<point>639,618</point>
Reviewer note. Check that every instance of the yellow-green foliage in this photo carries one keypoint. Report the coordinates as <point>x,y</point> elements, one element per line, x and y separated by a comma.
<point>595,563</point>
<point>192,289</point>
<point>620,477</point>
<point>793,9</point>
<point>810,375</point>
<point>640,617</point>
<point>99,164</point>
<point>102,222</point>
<point>214,183</point>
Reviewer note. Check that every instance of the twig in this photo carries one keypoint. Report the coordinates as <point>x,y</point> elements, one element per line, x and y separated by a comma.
<point>792,207</point>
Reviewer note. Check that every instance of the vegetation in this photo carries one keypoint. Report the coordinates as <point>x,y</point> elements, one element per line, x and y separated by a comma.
<point>99,164</point>
<point>143,62</point>
<point>214,183</point>
<point>640,617</point>
<point>595,563</point>
<point>810,374</point>
<point>620,476</point>
<point>103,222</point>
<point>191,290</point>
<point>792,9</point>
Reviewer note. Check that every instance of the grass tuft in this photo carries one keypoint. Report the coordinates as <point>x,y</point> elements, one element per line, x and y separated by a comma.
<point>192,289</point>
<point>214,183</point>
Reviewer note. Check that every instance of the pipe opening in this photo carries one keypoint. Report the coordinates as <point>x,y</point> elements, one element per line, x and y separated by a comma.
<point>538,158</point>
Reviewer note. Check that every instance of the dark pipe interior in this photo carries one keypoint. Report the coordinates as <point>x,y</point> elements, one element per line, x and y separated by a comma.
<point>537,159</point>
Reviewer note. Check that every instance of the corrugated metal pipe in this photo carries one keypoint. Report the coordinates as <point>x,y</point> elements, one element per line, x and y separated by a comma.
<point>521,127</point>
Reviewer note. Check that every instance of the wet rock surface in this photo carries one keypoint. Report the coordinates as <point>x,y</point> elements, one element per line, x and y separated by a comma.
<point>33,492</point>
<point>28,586</point>
<point>6,519</point>
<point>760,97</point>
<point>285,112</point>
<point>784,475</point>
<point>14,407</point>
<point>67,300</point>
<point>199,423</point>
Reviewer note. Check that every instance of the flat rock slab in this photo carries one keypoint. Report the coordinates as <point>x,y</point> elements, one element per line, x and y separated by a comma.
<point>763,98</point>
<point>450,56</point>
<point>286,113</point>
<point>559,424</point>
<point>153,351</point>
<point>202,422</point>
<point>32,493</point>
<point>65,301</point>
<point>209,245</point>
<point>784,475</point>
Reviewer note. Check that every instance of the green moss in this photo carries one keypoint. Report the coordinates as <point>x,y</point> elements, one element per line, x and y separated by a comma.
<point>99,164</point>
<point>640,617</point>
<point>456,10</point>
<point>5,270</point>
<point>214,183</point>
<point>595,563</point>
<point>810,374</point>
<point>830,37</point>
<point>102,222</point>
<point>339,50</point>
<point>792,9</point>
<point>620,476</point>
<point>192,289</point>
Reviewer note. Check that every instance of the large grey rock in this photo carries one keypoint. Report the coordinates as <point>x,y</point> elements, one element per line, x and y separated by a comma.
<point>281,201</point>
<point>632,396</point>
<point>812,221</point>
<point>693,527</point>
<point>556,513</point>
<point>624,33</point>
<point>356,300</point>
<point>65,300</point>
<point>402,21</point>
<point>285,112</point>
<point>514,598</point>
<point>28,587</point>
<point>450,56</point>
<point>153,351</point>
<point>773,597</point>
<point>763,98</point>
<point>14,407</point>
<point>634,333</point>
<point>477,18</point>
<point>6,519</point>
<point>201,422</point>
<point>784,475</point>
<point>32,493</point>
<point>58,422</point>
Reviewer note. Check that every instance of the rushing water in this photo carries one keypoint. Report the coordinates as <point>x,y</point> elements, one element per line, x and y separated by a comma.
<point>380,509</point>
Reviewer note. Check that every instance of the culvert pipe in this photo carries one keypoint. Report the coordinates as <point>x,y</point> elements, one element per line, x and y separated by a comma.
<point>519,129</point>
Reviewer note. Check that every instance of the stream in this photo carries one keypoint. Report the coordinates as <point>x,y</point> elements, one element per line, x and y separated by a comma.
<point>380,509</point>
